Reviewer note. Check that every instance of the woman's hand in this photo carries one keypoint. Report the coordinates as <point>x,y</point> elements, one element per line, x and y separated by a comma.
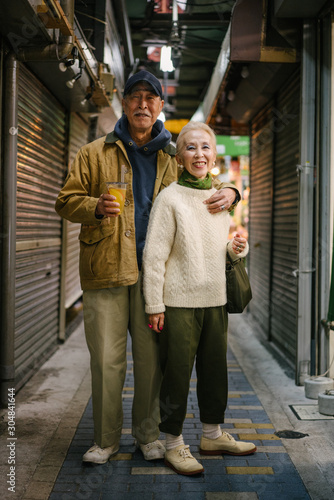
<point>221,200</point>
<point>156,322</point>
<point>238,244</point>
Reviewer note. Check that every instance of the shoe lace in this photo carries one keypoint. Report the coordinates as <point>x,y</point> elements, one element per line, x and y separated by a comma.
<point>97,449</point>
<point>226,434</point>
<point>94,448</point>
<point>149,446</point>
<point>185,452</point>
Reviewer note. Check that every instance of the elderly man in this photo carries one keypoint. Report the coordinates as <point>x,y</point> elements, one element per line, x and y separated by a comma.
<point>111,246</point>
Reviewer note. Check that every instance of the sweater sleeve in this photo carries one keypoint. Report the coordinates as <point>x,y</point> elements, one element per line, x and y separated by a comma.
<point>158,245</point>
<point>222,185</point>
<point>240,255</point>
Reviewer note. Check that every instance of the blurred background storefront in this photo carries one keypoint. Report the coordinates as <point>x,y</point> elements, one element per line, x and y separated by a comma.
<point>232,165</point>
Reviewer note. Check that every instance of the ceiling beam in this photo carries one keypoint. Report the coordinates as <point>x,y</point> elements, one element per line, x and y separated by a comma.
<point>198,46</point>
<point>200,20</point>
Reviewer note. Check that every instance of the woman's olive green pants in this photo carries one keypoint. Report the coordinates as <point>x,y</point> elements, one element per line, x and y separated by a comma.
<point>193,335</point>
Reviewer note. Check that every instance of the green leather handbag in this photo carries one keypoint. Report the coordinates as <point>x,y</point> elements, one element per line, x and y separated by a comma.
<point>238,288</point>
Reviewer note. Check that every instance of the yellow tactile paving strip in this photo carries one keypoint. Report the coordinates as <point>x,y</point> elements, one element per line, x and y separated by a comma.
<point>231,495</point>
<point>121,456</point>
<point>261,437</point>
<point>249,470</point>
<point>239,425</point>
<point>229,470</point>
<point>148,471</point>
<point>241,393</point>
<point>245,407</point>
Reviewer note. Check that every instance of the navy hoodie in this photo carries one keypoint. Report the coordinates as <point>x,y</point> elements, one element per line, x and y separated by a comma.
<point>144,166</point>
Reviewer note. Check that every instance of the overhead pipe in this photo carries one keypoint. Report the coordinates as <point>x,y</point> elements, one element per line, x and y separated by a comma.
<point>53,51</point>
<point>10,129</point>
<point>68,9</point>
<point>126,33</point>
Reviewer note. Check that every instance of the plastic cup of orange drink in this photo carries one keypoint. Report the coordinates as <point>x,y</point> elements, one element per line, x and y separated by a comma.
<point>118,189</point>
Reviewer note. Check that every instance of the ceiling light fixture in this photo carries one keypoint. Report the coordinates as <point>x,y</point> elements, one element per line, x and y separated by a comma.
<point>244,72</point>
<point>231,95</point>
<point>63,65</point>
<point>86,99</point>
<point>166,59</point>
<point>218,118</point>
<point>89,95</point>
<point>70,83</point>
<point>66,64</point>
<point>162,116</point>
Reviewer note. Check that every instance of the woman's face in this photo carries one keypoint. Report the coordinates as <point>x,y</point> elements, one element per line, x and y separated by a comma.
<point>198,153</point>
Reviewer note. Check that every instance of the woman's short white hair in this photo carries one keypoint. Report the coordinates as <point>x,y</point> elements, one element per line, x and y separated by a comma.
<point>194,126</point>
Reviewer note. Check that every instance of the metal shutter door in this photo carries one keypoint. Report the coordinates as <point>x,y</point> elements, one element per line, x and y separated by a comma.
<point>40,172</point>
<point>260,216</point>
<point>285,221</point>
<point>78,137</point>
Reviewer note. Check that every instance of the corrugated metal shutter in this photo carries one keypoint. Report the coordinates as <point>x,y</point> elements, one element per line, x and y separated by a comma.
<point>260,215</point>
<point>285,221</point>
<point>78,137</point>
<point>40,173</point>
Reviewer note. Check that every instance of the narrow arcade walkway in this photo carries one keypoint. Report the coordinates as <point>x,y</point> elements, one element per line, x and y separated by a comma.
<point>269,474</point>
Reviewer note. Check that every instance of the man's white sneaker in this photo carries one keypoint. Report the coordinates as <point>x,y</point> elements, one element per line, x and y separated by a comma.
<point>153,451</point>
<point>97,455</point>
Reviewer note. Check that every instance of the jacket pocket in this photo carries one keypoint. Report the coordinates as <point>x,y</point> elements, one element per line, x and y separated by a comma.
<point>98,251</point>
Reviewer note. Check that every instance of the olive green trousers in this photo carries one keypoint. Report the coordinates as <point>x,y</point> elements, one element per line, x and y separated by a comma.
<point>108,315</point>
<point>193,335</point>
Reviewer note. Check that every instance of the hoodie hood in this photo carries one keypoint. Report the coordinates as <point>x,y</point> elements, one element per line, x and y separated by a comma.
<point>161,137</point>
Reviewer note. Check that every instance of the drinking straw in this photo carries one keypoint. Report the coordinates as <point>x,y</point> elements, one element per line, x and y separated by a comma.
<point>122,173</point>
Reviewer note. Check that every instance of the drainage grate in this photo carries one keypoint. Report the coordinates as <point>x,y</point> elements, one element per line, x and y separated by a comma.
<point>309,412</point>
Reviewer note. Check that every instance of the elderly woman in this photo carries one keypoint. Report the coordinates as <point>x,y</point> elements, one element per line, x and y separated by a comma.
<point>185,294</point>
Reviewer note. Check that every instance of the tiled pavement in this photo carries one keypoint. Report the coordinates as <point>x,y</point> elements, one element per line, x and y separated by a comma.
<point>269,474</point>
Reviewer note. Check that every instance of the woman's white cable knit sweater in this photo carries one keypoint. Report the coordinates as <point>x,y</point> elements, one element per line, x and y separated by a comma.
<point>185,251</point>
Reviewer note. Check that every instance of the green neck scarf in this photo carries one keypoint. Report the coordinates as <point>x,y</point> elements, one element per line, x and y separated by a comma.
<point>188,180</point>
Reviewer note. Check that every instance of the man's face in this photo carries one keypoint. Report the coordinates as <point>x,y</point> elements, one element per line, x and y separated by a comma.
<point>142,106</point>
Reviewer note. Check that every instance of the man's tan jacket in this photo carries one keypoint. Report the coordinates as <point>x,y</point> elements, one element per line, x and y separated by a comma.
<point>108,246</point>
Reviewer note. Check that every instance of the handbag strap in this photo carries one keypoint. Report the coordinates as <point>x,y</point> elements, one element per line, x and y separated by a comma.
<point>229,259</point>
